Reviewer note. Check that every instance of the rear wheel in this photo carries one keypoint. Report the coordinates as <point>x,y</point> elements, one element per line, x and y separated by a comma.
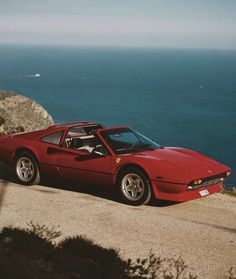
<point>134,186</point>
<point>26,169</point>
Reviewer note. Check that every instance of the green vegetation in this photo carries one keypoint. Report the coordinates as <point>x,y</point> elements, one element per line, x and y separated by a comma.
<point>32,253</point>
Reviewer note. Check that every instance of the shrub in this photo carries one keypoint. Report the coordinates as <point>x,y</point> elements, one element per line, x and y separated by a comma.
<point>231,273</point>
<point>25,242</point>
<point>22,266</point>
<point>89,259</point>
<point>43,231</point>
<point>157,267</point>
<point>32,253</point>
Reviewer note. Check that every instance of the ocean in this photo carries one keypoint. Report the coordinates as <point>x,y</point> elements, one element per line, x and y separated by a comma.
<point>177,97</point>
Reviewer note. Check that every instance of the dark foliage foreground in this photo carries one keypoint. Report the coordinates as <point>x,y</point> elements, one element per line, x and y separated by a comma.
<point>32,253</point>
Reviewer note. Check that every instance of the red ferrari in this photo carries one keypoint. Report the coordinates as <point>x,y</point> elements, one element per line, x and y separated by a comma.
<point>120,156</point>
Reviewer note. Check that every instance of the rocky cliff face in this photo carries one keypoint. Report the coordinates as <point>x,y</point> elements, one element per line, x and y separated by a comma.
<point>19,114</point>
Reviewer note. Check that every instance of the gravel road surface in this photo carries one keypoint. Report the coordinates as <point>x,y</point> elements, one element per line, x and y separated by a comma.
<point>202,231</point>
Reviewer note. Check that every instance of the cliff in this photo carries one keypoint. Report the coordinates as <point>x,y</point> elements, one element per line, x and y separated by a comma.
<point>19,114</point>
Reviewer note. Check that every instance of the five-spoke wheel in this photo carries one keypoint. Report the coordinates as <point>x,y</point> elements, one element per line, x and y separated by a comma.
<point>26,169</point>
<point>134,186</point>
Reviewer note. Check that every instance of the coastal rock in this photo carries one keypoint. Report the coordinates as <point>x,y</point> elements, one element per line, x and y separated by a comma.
<point>21,114</point>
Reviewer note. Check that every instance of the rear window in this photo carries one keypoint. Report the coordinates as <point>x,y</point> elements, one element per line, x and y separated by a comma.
<point>53,138</point>
<point>76,131</point>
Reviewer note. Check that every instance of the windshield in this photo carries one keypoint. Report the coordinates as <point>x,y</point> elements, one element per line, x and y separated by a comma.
<point>126,140</point>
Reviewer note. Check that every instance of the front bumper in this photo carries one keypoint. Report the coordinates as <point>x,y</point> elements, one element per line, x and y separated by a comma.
<point>178,192</point>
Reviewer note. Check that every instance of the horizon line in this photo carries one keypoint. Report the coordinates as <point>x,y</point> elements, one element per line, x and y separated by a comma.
<point>74,45</point>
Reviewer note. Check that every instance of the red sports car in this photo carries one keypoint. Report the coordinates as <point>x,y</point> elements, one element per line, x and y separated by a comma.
<point>88,153</point>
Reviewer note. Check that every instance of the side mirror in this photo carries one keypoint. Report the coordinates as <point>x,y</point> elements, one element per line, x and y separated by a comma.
<point>97,154</point>
<point>88,156</point>
<point>99,151</point>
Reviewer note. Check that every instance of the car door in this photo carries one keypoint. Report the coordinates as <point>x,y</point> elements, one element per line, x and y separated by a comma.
<point>76,165</point>
<point>49,147</point>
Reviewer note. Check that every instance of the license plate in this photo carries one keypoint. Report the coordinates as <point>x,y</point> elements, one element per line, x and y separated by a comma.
<point>204,193</point>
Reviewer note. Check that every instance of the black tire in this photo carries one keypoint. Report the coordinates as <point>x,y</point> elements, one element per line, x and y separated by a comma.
<point>134,186</point>
<point>26,169</point>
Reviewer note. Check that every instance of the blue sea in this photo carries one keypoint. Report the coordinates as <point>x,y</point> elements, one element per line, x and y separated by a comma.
<point>176,97</point>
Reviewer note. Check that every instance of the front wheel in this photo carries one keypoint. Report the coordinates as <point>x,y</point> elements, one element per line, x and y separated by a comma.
<point>134,186</point>
<point>26,169</point>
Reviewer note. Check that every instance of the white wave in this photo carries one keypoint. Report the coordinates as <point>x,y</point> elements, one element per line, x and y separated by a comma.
<point>33,76</point>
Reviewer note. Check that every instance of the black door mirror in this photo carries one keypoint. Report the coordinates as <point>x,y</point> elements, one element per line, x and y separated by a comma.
<point>99,151</point>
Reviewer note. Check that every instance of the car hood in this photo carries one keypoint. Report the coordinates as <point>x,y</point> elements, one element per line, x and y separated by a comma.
<point>193,163</point>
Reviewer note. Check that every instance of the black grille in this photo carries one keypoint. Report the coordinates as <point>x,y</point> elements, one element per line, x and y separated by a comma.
<point>211,181</point>
<point>207,181</point>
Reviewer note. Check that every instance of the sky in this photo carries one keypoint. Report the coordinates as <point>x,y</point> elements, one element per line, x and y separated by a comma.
<point>126,23</point>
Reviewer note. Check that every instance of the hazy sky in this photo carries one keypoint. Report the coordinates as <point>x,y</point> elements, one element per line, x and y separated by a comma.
<point>150,23</point>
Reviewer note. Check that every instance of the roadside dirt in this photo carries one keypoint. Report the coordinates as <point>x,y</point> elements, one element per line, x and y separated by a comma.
<point>202,231</point>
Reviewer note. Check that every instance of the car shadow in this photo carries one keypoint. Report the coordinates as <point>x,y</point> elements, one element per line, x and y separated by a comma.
<point>161,203</point>
<point>6,172</point>
<point>100,191</point>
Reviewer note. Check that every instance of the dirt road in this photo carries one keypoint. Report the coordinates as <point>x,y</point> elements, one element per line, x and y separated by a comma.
<point>202,231</point>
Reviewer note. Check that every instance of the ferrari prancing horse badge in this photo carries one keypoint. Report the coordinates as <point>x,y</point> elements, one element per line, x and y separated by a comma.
<point>118,160</point>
